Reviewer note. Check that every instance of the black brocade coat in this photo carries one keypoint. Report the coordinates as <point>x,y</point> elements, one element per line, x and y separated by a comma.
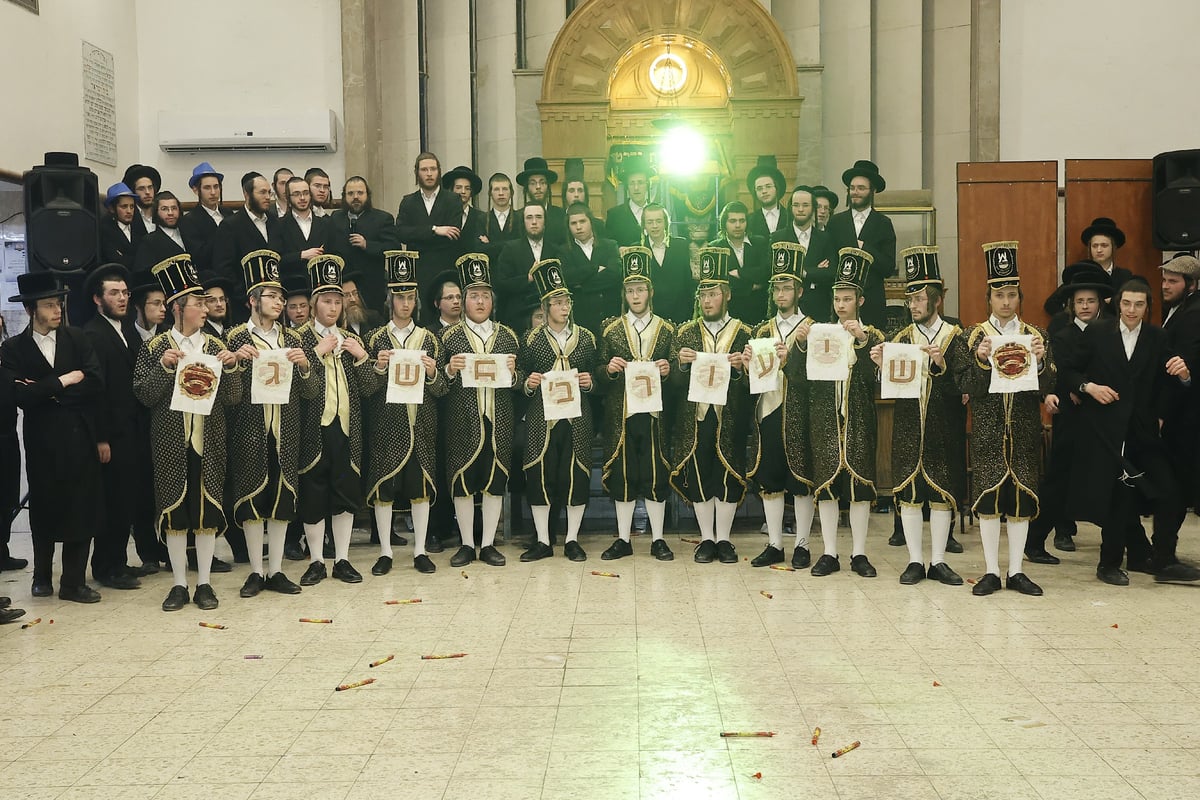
<point>619,340</point>
<point>539,354</point>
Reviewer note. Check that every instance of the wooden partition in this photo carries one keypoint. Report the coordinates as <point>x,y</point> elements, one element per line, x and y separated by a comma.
<point>1122,190</point>
<point>1007,200</point>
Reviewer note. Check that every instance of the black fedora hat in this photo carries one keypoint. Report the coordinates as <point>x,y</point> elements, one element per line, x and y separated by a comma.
<point>138,171</point>
<point>105,272</point>
<point>1103,226</point>
<point>828,194</point>
<point>536,166</point>
<point>34,286</point>
<point>210,279</point>
<point>634,165</point>
<point>865,169</point>
<point>462,172</point>
<point>439,280</point>
<point>1080,276</point>
<point>766,167</point>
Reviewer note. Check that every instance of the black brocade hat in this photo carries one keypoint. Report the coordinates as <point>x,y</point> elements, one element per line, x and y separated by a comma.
<point>325,274</point>
<point>261,268</point>
<point>714,266</point>
<point>787,259</point>
<point>637,264</point>
<point>920,268</point>
<point>852,268</point>
<point>178,277</point>
<point>401,269</point>
<point>547,276</point>
<point>1001,259</point>
<point>474,269</point>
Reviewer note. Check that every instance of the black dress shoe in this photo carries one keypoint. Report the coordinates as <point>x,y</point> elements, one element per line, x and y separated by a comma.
<point>1064,543</point>
<point>801,558</point>
<point>8,615</point>
<point>282,584</point>
<point>896,539</point>
<point>121,580</point>
<point>913,574</point>
<point>177,598</point>
<point>424,564</point>
<point>464,556</point>
<point>1021,583</point>
<point>943,574</point>
<point>725,552</point>
<point>345,572</point>
<point>205,598</point>
<point>770,555</point>
<point>147,568</point>
<point>536,552</point>
<point>10,564</point>
<point>1041,557</point>
<point>399,541</point>
<point>79,594</point>
<point>1145,565</point>
<point>433,544</point>
<point>1114,576</point>
<point>826,565</point>
<point>986,585</point>
<point>618,549</point>
<point>574,551</point>
<point>705,552</point>
<point>953,545</point>
<point>293,552</point>
<point>494,558</point>
<point>382,566</point>
<point>1177,573</point>
<point>222,566</point>
<point>42,589</point>
<point>254,584</point>
<point>314,574</point>
<point>661,550</point>
<point>862,567</point>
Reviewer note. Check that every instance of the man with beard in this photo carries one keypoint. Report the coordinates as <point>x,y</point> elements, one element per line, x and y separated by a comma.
<point>279,180</point>
<point>767,184</point>
<point>265,441</point>
<point>188,448</point>
<point>635,464</point>
<point>929,432</point>
<point>300,234</point>
<point>318,183</point>
<point>166,240</point>
<point>295,288</point>
<point>57,383</point>
<point>250,228</point>
<point>118,239</point>
<point>592,267</point>
<point>199,226</point>
<point>402,458</point>
<point>355,315</point>
<point>536,179</point>
<point>558,452</point>
<point>782,461</point>
<point>749,263</point>
<point>624,222</point>
<point>709,442</point>
<point>819,257</point>
<point>862,227</point>
<point>479,419</point>
<point>826,202</point>
<point>359,234</point>
<point>842,426</point>
<point>503,225</point>
<point>1006,429</point>
<point>429,220</point>
<point>116,346</point>
<point>464,184</point>
<point>514,283</point>
<point>332,436</point>
<point>145,183</point>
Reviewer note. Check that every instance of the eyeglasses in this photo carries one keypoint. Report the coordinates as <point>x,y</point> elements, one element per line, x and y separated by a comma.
<point>117,293</point>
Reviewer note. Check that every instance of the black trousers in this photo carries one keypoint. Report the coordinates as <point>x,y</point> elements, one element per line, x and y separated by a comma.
<point>1054,486</point>
<point>484,474</point>
<point>110,554</point>
<point>332,486</point>
<point>10,488</point>
<point>196,512</point>
<point>638,470</point>
<point>556,479</point>
<point>74,562</point>
<point>774,475</point>
<point>704,475</point>
<point>145,514</point>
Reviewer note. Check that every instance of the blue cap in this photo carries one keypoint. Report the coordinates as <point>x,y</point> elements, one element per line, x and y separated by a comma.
<point>202,169</point>
<point>118,190</point>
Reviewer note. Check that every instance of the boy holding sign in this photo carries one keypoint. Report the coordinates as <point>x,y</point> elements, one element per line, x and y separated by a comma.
<point>402,411</point>
<point>634,349</point>
<point>558,358</point>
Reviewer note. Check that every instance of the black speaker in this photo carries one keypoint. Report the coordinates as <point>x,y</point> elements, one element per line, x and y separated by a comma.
<point>1176,212</point>
<point>62,220</point>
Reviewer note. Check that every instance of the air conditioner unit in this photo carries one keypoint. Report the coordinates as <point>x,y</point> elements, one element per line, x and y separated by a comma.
<point>197,132</point>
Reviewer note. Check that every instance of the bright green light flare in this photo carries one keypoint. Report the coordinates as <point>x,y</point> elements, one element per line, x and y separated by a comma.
<point>683,152</point>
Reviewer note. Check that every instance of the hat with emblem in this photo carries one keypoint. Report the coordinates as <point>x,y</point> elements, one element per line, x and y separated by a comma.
<point>401,269</point>
<point>636,263</point>
<point>714,266</point>
<point>475,269</point>
<point>178,277</point>
<point>261,268</point>
<point>325,274</point>
<point>852,268</point>
<point>1001,258</point>
<point>920,268</point>
<point>547,276</point>
<point>787,259</point>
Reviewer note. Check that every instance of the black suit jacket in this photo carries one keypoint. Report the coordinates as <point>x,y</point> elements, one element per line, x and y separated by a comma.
<point>199,231</point>
<point>116,417</point>
<point>290,241</point>
<point>756,223</point>
<point>499,234</point>
<point>747,303</point>
<point>510,278</point>
<point>114,247</point>
<point>237,236</point>
<point>595,282</point>
<point>674,286</point>
<point>556,226</point>
<point>155,247</point>
<point>379,230</point>
<point>878,239</point>
<point>414,227</point>
<point>820,262</point>
<point>622,226</point>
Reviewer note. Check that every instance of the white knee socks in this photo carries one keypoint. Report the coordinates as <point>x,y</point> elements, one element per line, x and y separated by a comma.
<point>383,523</point>
<point>773,506</point>
<point>464,510</point>
<point>276,537</point>
<point>253,529</point>
<point>1018,532</point>
<point>625,509</point>
<point>420,516</point>
<point>804,507</point>
<point>574,521</point>
<point>724,519</point>
<point>939,532</point>
<point>493,505</point>
<point>705,511</point>
<point>177,552</point>
<point>828,509</point>
<point>541,523</point>
<point>860,517</point>
<point>656,512</point>
<point>911,520</point>
<point>206,546</point>
<point>989,532</point>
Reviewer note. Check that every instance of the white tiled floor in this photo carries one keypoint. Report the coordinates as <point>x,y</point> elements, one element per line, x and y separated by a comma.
<point>578,686</point>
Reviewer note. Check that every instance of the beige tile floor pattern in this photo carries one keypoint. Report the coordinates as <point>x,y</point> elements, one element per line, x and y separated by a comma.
<point>579,686</point>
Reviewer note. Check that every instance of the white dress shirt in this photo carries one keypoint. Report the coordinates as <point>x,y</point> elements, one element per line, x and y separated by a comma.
<point>1013,326</point>
<point>561,337</point>
<point>148,220</point>
<point>401,334</point>
<point>269,335</point>
<point>659,249</point>
<point>142,332</point>
<point>48,344</point>
<point>1129,338</point>
<point>716,327</point>
<point>803,235</point>
<point>215,213</point>
<point>786,324</point>
<point>260,222</point>
<point>930,332</point>
<point>860,219</point>
<point>126,229</point>
<point>175,235</point>
<point>536,246</point>
<point>587,248</point>
<point>637,211</point>
<point>304,222</point>
<point>429,199</point>
<point>771,215</point>
<point>502,217</point>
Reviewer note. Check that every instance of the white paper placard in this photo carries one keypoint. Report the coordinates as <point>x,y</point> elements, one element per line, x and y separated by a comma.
<point>197,378</point>
<point>709,379</point>
<point>902,374</point>
<point>830,353</point>
<point>1014,367</point>
<point>643,388</point>
<point>763,366</point>
<point>271,378</point>
<point>486,371</point>
<point>561,394</point>
<point>406,377</point>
